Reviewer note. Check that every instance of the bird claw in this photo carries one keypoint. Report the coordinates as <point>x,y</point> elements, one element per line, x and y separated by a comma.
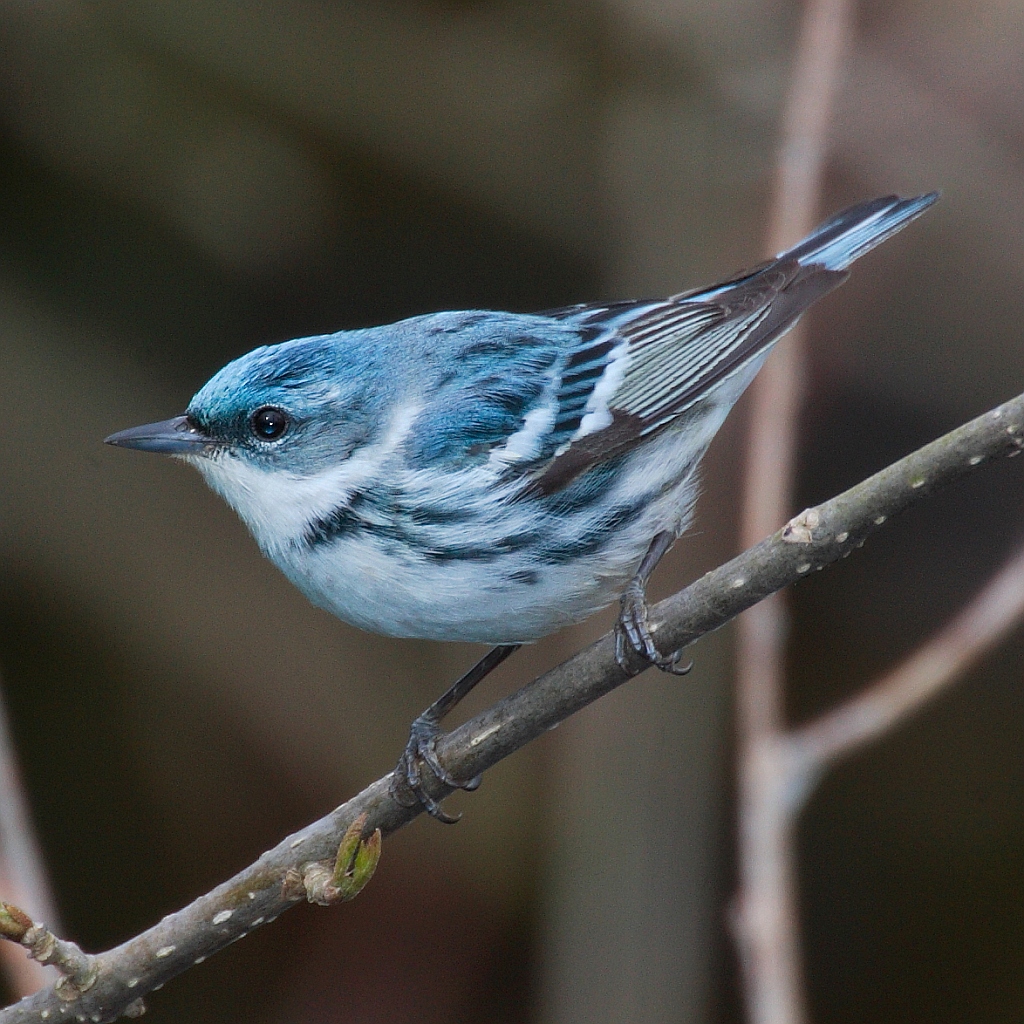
<point>407,780</point>
<point>633,636</point>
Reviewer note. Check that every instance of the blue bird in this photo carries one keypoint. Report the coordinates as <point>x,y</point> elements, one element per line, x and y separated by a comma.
<point>491,477</point>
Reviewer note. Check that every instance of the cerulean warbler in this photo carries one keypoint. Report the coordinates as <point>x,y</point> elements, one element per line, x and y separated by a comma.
<point>492,477</point>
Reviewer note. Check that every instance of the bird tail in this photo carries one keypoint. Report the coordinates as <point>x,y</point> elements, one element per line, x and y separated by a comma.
<point>857,230</point>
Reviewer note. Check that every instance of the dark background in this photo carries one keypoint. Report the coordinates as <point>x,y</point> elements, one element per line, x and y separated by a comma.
<point>182,181</point>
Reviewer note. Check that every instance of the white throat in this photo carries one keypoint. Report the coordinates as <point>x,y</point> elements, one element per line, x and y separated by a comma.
<point>278,505</point>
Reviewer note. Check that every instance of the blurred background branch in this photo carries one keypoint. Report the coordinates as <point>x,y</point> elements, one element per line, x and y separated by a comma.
<point>23,876</point>
<point>884,704</point>
<point>766,915</point>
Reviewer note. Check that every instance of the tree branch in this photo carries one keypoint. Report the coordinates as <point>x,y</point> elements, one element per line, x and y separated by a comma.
<point>282,876</point>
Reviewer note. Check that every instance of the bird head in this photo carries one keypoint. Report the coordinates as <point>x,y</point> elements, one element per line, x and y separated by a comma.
<point>299,407</point>
<point>275,432</point>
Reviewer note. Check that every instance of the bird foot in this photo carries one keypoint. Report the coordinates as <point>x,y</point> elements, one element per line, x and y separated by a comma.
<point>633,635</point>
<point>407,781</point>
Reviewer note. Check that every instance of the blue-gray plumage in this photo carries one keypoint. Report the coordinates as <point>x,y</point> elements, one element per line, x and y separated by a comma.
<point>488,476</point>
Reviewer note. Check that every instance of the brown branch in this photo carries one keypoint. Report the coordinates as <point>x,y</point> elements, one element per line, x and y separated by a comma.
<point>765,915</point>
<point>281,876</point>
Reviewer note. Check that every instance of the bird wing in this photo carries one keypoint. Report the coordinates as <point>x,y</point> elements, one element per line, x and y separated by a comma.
<point>640,366</point>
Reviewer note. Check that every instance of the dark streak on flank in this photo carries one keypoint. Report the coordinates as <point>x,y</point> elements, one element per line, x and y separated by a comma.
<point>529,577</point>
<point>594,539</point>
<point>381,515</point>
<point>482,552</point>
<point>620,516</point>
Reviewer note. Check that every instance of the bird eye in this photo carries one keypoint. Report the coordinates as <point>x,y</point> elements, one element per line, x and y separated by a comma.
<point>268,423</point>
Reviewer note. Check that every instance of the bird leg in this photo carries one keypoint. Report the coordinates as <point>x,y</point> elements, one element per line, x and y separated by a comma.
<point>421,749</point>
<point>633,627</point>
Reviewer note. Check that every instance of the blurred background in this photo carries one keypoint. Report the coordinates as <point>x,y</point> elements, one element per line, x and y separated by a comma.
<point>180,182</point>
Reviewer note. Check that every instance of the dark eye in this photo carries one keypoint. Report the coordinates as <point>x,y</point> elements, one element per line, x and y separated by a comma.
<point>268,423</point>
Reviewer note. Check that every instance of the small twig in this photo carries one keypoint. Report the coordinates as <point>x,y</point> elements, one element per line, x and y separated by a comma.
<point>259,893</point>
<point>77,969</point>
<point>765,909</point>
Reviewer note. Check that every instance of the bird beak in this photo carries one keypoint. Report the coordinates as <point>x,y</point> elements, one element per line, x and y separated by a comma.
<point>169,437</point>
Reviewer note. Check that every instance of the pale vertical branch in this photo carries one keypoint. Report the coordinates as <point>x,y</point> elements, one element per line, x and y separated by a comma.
<point>23,878</point>
<point>766,915</point>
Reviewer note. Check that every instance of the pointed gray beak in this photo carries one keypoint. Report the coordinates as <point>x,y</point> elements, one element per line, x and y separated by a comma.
<point>169,437</point>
